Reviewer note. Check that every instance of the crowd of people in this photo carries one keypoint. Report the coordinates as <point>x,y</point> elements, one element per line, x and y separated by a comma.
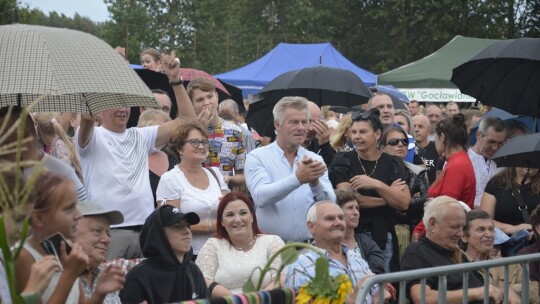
<point>187,206</point>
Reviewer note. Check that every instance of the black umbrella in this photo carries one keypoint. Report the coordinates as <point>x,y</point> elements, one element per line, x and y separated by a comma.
<point>520,151</point>
<point>154,80</point>
<point>323,85</point>
<point>505,75</point>
<point>235,94</point>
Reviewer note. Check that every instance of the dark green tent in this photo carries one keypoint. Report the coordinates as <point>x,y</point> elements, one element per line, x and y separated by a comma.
<point>434,71</point>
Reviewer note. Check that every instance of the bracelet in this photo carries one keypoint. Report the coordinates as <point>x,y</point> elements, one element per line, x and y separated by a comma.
<point>211,287</point>
<point>180,82</point>
<point>210,226</point>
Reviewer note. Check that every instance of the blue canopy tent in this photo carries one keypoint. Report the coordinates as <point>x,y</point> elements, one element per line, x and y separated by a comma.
<point>286,57</point>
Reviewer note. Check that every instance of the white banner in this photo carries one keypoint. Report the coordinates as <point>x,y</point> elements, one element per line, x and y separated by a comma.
<point>437,95</point>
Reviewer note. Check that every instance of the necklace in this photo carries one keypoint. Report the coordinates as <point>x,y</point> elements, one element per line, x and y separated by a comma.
<point>248,246</point>
<point>374,168</point>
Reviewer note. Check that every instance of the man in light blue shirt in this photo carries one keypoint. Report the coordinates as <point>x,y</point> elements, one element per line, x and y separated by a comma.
<point>284,178</point>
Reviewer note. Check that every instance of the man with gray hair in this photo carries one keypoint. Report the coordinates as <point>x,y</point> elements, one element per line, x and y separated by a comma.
<point>491,135</point>
<point>444,218</point>
<point>228,110</point>
<point>326,222</point>
<point>284,178</point>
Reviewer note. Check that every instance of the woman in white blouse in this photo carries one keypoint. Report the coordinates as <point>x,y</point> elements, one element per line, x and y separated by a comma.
<point>227,261</point>
<point>191,187</point>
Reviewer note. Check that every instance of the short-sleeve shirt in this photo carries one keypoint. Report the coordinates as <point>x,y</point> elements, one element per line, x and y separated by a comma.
<point>115,168</point>
<point>389,168</point>
<point>506,206</point>
<point>226,149</point>
<point>174,185</point>
<point>379,220</point>
<point>457,180</point>
<point>426,254</point>
<point>219,261</point>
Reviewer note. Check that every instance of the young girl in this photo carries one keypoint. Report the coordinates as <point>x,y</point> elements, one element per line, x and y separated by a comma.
<point>55,210</point>
<point>55,140</point>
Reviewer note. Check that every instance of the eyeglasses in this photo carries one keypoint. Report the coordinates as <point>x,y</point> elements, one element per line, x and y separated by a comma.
<point>396,141</point>
<point>195,143</point>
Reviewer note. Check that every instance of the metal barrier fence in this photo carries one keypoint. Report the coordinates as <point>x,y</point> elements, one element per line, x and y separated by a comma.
<point>441,272</point>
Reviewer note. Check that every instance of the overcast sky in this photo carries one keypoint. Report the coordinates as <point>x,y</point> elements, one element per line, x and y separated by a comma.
<point>96,10</point>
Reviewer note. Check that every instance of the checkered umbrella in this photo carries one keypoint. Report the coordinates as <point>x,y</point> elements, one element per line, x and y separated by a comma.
<point>75,71</point>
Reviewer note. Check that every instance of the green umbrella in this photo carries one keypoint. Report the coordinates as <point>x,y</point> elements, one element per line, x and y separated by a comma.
<point>75,71</point>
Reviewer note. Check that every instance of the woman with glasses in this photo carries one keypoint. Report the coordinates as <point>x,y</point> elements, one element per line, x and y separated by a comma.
<point>379,179</point>
<point>394,141</point>
<point>189,186</point>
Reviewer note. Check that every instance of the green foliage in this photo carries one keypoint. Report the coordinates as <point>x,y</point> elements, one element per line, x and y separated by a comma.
<point>14,197</point>
<point>7,11</point>
<point>379,35</point>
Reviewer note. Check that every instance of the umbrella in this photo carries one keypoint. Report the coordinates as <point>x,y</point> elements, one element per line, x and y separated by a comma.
<point>520,151</point>
<point>189,74</point>
<point>398,98</point>
<point>76,72</point>
<point>505,75</point>
<point>345,110</point>
<point>323,85</point>
<point>153,80</point>
<point>235,94</point>
<point>509,119</point>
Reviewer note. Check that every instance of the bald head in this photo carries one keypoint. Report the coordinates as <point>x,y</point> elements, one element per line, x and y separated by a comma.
<point>228,110</point>
<point>421,128</point>
<point>315,115</point>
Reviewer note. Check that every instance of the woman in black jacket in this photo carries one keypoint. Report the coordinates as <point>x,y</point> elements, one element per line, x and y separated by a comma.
<point>358,242</point>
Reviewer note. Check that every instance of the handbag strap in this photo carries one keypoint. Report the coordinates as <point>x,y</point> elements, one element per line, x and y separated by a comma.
<point>215,176</point>
<point>521,204</point>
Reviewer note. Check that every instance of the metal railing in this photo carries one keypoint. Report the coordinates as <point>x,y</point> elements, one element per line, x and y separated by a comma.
<point>403,276</point>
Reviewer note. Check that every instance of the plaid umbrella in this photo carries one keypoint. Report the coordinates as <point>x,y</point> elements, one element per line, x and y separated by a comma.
<point>76,72</point>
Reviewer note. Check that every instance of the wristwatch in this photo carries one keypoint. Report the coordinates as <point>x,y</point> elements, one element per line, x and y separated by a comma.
<point>179,82</point>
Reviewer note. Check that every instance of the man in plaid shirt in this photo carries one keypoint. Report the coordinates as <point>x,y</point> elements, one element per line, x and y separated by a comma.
<point>326,223</point>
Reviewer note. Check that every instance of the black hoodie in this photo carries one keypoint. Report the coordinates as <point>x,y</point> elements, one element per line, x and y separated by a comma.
<point>161,278</point>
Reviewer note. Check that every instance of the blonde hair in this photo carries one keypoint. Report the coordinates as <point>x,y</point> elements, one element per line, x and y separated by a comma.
<point>339,139</point>
<point>47,123</point>
<point>150,117</point>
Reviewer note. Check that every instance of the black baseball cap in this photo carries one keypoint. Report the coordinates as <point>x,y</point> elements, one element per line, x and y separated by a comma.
<point>171,215</point>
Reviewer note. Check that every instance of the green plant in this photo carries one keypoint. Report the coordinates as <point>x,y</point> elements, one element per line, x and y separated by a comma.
<point>15,192</point>
<point>322,288</point>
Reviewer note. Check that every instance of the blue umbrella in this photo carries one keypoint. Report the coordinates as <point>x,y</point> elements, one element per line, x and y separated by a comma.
<point>506,117</point>
<point>391,90</point>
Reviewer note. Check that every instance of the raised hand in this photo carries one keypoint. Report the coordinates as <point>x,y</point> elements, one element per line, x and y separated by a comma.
<point>171,66</point>
<point>110,279</point>
<point>322,132</point>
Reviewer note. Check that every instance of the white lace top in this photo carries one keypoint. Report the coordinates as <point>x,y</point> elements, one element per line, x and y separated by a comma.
<point>221,262</point>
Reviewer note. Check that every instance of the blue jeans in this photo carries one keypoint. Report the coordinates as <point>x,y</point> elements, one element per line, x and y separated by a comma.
<point>388,252</point>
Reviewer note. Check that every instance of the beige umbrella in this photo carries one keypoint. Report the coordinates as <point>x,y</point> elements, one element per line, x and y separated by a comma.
<point>76,72</point>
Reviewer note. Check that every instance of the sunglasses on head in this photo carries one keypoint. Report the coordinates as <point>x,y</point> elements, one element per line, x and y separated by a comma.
<point>359,115</point>
<point>396,141</point>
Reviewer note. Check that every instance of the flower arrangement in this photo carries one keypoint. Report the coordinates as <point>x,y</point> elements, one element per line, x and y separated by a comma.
<point>321,289</point>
